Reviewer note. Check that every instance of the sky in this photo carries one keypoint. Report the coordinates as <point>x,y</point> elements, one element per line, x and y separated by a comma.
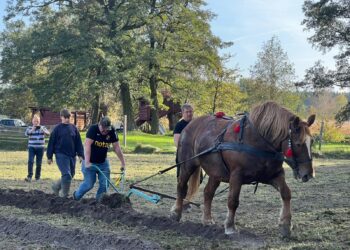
<point>250,23</point>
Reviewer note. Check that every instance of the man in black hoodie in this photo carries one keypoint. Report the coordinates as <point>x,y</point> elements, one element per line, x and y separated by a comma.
<point>65,143</point>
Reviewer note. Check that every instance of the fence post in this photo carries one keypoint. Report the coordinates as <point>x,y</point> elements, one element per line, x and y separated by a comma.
<point>125,128</point>
<point>321,135</point>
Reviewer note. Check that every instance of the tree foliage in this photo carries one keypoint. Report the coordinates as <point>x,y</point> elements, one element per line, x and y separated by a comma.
<point>272,72</point>
<point>330,21</point>
<point>75,53</point>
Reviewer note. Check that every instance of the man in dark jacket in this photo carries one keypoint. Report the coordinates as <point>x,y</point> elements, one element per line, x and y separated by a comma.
<point>65,143</point>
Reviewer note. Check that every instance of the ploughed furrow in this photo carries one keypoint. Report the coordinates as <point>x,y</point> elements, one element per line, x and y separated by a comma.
<point>45,234</point>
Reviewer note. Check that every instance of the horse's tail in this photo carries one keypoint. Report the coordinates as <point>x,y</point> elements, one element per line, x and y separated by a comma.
<point>193,184</point>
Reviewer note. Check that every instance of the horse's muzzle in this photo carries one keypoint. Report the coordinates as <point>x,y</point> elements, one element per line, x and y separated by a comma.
<point>306,177</point>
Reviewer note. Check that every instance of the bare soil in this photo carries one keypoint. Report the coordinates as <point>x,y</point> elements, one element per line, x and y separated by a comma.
<point>112,208</point>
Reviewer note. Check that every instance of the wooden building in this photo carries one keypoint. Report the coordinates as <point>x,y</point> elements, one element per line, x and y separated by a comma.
<point>49,118</point>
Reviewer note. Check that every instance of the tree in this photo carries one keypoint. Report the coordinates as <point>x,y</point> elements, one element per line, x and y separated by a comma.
<point>330,21</point>
<point>78,50</point>
<point>179,41</point>
<point>272,71</point>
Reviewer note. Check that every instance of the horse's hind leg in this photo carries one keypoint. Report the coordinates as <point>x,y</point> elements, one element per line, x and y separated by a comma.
<point>209,192</point>
<point>233,202</point>
<point>182,186</point>
<point>285,217</point>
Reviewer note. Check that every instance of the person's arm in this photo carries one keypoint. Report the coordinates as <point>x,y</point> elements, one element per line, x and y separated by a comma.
<point>176,139</point>
<point>119,153</point>
<point>50,146</point>
<point>46,132</point>
<point>29,131</point>
<point>88,143</point>
<point>79,146</point>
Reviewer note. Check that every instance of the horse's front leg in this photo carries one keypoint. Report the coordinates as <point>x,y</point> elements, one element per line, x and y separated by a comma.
<point>285,223</point>
<point>233,202</point>
<point>209,192</point>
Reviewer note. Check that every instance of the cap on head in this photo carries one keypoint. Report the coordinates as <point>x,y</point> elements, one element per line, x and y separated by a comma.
<point>65,113</point>
<point>106,123</point>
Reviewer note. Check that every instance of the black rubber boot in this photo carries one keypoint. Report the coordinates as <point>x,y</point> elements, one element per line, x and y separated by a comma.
<point>65,189</point>
<point>56,187</point>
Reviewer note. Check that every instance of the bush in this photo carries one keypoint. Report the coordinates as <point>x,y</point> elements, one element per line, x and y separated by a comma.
<point>145,149</point>
<point>333,134</point>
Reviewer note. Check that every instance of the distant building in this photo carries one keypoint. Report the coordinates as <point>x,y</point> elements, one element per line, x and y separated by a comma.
<point>49,118</point>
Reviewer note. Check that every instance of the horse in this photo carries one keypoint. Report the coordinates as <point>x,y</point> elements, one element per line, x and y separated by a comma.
<point>247,150</point>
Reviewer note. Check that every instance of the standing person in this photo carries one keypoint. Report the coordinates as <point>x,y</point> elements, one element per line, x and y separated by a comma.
<point>36,143</point>
<point>98,139</point>
<point>187,116</point>
<point>65,143</point>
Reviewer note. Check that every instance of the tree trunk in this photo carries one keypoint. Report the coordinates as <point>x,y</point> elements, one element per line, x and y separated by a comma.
<point>127,105</point>
<point>155,104</point>
<point>172,121</point>
<point>95,109</point>
<point>153,79</point>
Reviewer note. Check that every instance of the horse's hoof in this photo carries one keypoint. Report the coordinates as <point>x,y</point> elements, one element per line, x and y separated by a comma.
<point>207,222</point>
<point>285,230</point>
<point>175,217</point>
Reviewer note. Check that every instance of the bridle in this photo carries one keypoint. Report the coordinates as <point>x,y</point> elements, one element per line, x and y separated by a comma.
<point>292,161</point>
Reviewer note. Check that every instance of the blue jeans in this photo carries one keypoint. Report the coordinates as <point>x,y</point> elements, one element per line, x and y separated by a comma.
<point>32,153</point>
<point>90,179</point>
<point>66,165</point>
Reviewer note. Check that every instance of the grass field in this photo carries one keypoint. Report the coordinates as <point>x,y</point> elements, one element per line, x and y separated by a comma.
<point>321,207</point>
<point>14,140</point>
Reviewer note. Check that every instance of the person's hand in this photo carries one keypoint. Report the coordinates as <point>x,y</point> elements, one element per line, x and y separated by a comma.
<point>80,159</point>
<point>87,164</point>
<point>49,161</point>
<point>33,129</point>
<point>122,168</point>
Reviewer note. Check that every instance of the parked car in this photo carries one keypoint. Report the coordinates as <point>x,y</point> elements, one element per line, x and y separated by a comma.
<point>12,123</point>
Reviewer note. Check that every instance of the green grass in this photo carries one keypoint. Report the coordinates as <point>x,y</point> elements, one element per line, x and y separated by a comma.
<point>18,142</point>
<point>333,150</point>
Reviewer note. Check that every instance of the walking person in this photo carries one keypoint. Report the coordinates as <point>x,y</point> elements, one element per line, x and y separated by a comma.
<point>65,143</point>
<point>36,143</point>
<point>98,139</point>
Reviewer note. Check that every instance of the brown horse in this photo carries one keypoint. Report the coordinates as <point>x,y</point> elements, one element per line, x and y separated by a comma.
<point>248,150</point>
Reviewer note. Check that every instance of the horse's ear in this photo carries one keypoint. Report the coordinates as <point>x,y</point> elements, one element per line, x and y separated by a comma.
<point>295,122</point>
<point>311,120</point>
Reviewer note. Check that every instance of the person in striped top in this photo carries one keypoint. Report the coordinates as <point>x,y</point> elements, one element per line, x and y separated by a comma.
<point>36,143</point>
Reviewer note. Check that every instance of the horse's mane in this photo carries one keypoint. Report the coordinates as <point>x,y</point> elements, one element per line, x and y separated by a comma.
<point>270,120</point>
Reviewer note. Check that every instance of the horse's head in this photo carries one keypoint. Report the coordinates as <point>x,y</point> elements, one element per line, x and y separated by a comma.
<point>299,144</point>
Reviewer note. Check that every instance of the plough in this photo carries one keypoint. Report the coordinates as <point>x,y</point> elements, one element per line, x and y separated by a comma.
<point>137,190</point>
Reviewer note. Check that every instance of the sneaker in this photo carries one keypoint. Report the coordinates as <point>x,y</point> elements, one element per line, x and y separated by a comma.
<point>73,195</point>
<point>27,179</point>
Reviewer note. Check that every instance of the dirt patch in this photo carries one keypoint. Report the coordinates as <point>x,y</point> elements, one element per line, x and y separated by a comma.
<point>42,233</point>
<point>41,202</point>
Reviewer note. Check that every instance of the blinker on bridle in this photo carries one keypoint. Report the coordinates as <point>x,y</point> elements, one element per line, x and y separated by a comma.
<point>290,158</point>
